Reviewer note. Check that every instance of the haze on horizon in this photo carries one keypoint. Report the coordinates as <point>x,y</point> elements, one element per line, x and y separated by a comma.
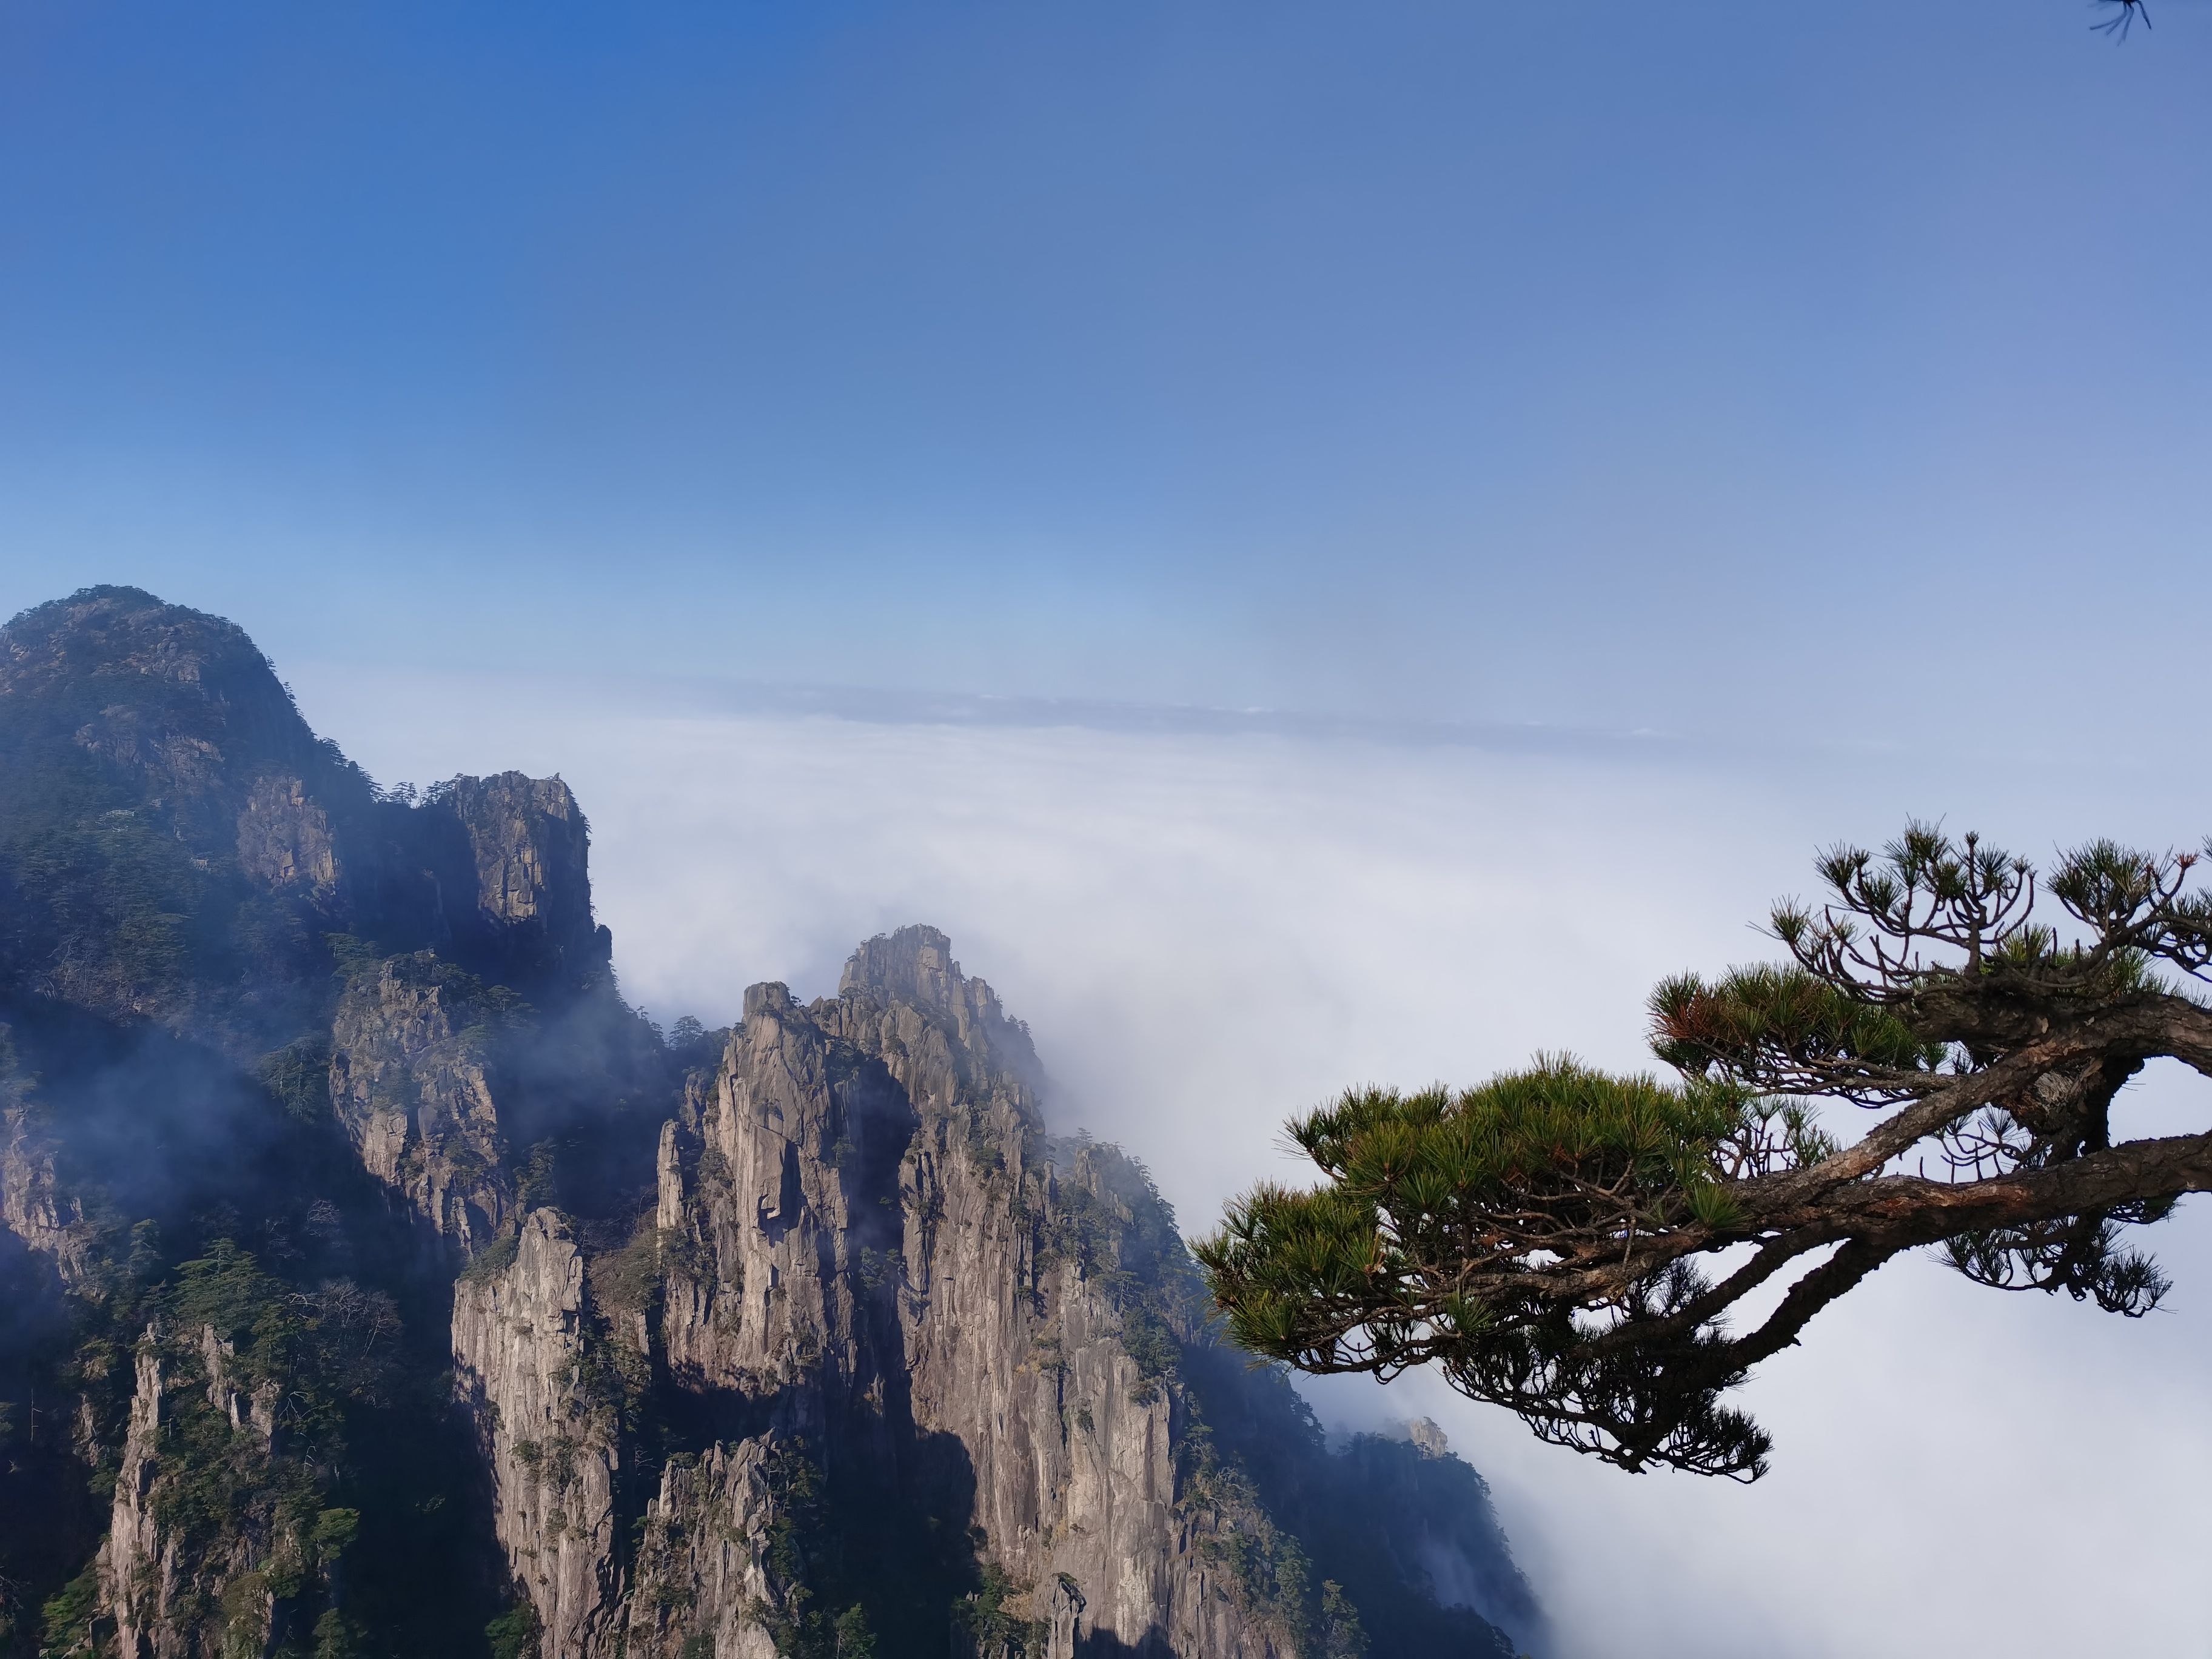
<point>884,456</point>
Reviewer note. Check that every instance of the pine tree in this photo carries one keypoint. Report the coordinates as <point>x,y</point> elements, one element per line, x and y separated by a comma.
<point>1538,1238</point>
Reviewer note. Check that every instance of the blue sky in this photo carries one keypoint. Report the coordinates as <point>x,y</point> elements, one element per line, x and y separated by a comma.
<point>1806,369</point>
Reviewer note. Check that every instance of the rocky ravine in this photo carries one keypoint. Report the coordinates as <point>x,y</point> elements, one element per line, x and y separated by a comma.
<point>374,1282</point>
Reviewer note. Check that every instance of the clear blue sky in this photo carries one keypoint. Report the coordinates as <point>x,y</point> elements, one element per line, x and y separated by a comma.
<point>1833,367</point>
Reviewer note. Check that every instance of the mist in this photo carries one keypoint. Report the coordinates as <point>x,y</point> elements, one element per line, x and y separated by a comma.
<point>1208,930</point>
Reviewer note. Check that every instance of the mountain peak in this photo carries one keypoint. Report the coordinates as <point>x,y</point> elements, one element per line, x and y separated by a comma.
<point>913,964</point>
<point>119,631</point>
<point>182,696</point>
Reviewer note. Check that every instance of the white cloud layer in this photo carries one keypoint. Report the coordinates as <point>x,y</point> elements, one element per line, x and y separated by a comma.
<point>1208,933</point>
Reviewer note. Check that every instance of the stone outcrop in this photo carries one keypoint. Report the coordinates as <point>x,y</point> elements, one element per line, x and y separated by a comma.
<point>410,1081</point>
<point>864,1249</point>
<point>1017,1357</point>
<point>530,843</point>
<point>526,905</point>
<point>703,1569</point>
<point>167,1599</point>
<point>138,1565</point>
<point>774,1289</point>
<point>285,839</point>
<point>32,1205</point>
<point>524,1366</point>
<point>249,1407</point>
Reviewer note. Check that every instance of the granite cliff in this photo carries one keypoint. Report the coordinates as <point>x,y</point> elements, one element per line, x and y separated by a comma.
<point>375,1281</point>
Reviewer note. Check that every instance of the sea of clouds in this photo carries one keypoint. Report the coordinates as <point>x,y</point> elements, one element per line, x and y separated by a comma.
<point>1212,927</point>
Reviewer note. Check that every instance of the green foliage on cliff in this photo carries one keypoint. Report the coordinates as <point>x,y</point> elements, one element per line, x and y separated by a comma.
<point>1337,1633</point>
<point>298,1077</point>
<point>342,1448</point>
<point>991,1622</point>
<point>514,1633</point>
<point>67,1618</point>
<point>260,1380</point>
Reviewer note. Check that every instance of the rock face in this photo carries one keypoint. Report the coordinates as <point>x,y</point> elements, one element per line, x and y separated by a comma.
<point>773,1290</point>
<point>139,1566</point>
<point>1008,1344</point>
<point>530,900</point>
<point>373,1282</point>
<point>409,1081</point>
<point>285,840</point>
<point>32,1204</point>
<point>523,1368</point>
<point>704,1575</point>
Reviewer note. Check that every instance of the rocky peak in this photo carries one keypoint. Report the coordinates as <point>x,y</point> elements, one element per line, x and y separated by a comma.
<point>156,743</point>
<point>864,1238</point>
<point>910,974</point>
<point>120,634</point>
<point>180,698</point>
<point>150,739</point>
<point>531,848</point>
<point>525,900</point>
<point>914,965</point>
<point>769,1001</point>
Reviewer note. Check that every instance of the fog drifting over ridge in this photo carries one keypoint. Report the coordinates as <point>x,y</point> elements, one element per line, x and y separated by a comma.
<point>1211,930</point>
